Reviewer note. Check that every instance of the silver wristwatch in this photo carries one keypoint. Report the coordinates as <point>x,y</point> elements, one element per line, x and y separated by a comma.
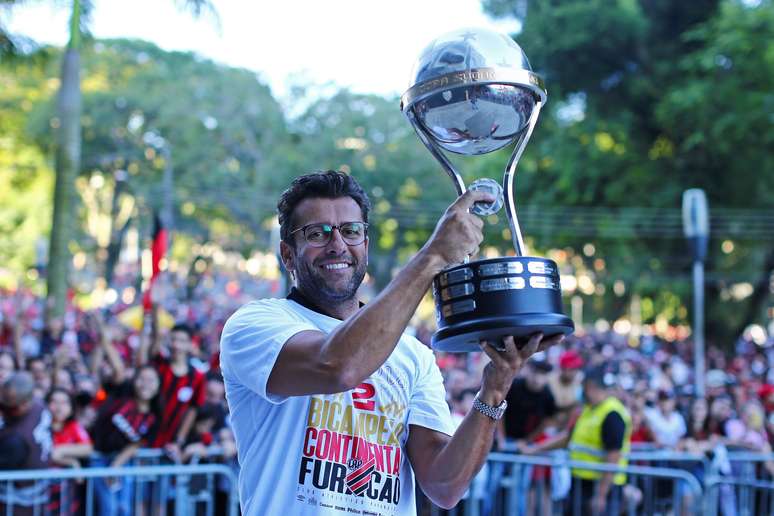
<point>494,413</point>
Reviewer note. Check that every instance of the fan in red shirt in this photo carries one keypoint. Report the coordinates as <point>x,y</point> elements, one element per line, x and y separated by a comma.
<point>71,444</point>
<point>71,441</point>
<point>640,431</point>
<point>182,388</point>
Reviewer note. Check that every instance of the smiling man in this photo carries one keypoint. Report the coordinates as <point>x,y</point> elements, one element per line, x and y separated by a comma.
<point>334,408</point>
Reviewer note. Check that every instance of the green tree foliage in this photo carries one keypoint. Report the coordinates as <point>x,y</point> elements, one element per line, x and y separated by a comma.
<point>646,99</point>
<point>218,127</point>
<point>369,136</point>
<point>67,143</point>
<point>26,178</point>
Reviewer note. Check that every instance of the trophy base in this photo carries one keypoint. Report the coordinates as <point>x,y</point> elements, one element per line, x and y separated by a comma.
<point>495,298</point>
<point>465,337</point>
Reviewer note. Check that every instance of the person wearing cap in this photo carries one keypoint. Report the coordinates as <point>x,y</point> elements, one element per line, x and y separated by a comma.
<point>600,435</point>
<point>565,384</point>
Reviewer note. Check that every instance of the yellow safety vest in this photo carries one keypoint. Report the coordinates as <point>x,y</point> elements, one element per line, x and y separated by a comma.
<point>586,441</point>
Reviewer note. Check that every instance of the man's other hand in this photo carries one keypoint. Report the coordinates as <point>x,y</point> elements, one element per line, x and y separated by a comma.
<point>506,363</point>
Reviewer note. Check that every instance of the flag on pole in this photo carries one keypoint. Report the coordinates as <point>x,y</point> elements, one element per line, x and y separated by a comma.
<point>158,250</point>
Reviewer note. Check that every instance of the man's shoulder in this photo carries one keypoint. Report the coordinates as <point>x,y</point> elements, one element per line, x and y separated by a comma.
<point>262,305</point>
<point>413,348</point>
<point>270,310</point>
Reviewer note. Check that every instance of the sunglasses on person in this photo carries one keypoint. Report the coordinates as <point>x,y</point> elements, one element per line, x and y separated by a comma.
<point>320,234</point>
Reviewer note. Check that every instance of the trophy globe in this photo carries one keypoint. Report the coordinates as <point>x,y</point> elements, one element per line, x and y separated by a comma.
<point>472,92</point>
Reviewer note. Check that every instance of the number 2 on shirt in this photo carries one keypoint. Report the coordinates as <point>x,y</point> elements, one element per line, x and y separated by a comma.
<point>361,393</point>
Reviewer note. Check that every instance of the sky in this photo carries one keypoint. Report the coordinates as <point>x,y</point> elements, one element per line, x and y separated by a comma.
<point>368,46</point>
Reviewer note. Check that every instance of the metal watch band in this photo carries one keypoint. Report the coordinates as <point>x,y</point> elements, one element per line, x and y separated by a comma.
<point>491,412</point>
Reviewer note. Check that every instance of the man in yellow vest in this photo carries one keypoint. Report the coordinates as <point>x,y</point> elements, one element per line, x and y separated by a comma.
<point>600,435</point>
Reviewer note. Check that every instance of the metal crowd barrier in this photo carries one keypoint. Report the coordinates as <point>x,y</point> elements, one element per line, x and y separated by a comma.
<point>50,491</point>
<point>738,497</point>
<point>156,456</point>
<point>657,483</point>
<point>740,485</point>
<point>517,486</point>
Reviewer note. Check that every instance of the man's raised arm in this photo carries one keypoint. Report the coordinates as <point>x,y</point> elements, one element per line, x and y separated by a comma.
<point>314,363</point>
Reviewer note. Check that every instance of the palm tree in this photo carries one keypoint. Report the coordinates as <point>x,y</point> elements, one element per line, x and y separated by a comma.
<point>67,162</point>
<point>67,159</point>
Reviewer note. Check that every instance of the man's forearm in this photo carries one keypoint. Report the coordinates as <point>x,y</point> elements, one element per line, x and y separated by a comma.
<point>460,459</point>
<point>17,345</point>
<point>559,441</point>
<point>534,434</point>
<point>75,451</point>
<point>607,478</point>
<point>114,359</point>
<point>360,345</point>
<point>125,455</point>
<point>185,426</point>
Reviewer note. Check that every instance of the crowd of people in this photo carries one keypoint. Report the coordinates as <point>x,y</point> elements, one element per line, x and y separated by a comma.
<point>107,390</point>
<point>89,390</point>
<point>654,379</point>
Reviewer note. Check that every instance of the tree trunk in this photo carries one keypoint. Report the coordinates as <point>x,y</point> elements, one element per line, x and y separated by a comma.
<point>114,250</point>
<point>117,233</point>
<point>67,164</point>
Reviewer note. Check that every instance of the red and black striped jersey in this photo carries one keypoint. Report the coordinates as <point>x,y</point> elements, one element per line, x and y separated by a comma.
<point>120,423</point>
<point>178,395</point>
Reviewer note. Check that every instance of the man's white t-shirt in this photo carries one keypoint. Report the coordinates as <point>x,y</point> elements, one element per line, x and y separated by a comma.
<point>324,454</point>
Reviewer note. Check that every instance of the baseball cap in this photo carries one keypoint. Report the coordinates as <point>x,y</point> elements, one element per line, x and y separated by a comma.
<point>599,376</point>
<point>765,390</point>
<point>570,360</point>
<point>541,366</point>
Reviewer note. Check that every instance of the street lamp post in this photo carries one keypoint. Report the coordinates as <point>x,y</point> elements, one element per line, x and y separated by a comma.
<point>696,229</point>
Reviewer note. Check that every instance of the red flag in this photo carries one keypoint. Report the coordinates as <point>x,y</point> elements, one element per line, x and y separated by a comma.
<point>158,250</point>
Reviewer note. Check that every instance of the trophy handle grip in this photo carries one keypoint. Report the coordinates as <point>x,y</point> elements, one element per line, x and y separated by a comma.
<point>459,185</point>
<point>510,172</point>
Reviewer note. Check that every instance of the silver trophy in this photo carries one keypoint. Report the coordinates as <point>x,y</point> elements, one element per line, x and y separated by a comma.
<point>472,91</point>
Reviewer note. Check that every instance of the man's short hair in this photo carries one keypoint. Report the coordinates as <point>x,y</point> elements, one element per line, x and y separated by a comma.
<point>22,385</point>
<point>183,328</point>
<point>329,184</point>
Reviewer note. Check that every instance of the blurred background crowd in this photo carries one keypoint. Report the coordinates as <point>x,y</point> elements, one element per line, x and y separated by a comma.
<point>114,390</point>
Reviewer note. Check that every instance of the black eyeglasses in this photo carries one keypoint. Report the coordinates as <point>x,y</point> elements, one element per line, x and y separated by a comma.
<point>319,234</point>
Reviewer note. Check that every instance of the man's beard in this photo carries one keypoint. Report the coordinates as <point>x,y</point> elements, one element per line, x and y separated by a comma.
<point>314,286</point>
